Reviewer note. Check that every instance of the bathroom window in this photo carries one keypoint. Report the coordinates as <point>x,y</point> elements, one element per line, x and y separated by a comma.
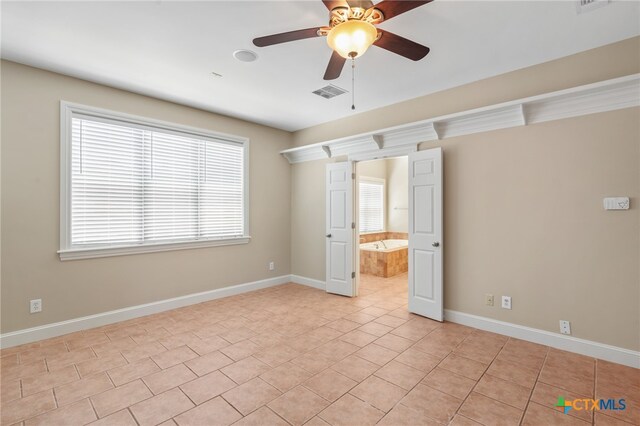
<point>371,205</point>
<point>132,185</point>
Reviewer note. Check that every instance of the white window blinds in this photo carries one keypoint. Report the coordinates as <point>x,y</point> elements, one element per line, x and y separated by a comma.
<point>371,206</point>
<point>135,185</point>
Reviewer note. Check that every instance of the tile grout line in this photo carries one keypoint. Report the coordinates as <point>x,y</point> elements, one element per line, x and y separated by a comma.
<point>231,405</point>
<point>385,364</point>
<point>131,414</point>
<point>93,408</point>
<point>544,363</point>
<point>420,381</point>
<point>353,353</point>
<point>285,420</point>
<point>21,387</point>
<point>477,381</point>
<point>182,412</point>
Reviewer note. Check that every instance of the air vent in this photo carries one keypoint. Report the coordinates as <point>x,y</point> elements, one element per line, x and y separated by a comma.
<point>589,5</point>
<point>329,91</point>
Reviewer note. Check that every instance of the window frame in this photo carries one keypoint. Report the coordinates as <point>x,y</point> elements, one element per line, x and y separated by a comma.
<point>67,252</point>
<point>383,183</point>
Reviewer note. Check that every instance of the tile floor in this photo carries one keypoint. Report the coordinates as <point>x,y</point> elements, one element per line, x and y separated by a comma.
<point>295,355</point>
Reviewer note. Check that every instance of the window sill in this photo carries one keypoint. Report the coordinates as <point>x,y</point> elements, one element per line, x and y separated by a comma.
<point>90,253</point>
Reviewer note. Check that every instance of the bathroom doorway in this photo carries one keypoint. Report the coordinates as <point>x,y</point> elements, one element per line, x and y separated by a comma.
<point>422,286</point>
<point>381,214</point>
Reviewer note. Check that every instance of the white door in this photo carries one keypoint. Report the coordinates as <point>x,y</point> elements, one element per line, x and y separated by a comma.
<point>425,233</point>
<point>339,230</point>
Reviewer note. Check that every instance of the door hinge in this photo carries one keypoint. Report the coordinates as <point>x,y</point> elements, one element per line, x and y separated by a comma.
<point>353,175</point>
<point>353,275</point>
<point>353,225</point>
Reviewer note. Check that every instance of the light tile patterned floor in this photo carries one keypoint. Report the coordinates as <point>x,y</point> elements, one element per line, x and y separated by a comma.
<point>295,355</point>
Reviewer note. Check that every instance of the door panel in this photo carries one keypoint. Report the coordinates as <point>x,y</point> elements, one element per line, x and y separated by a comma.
<point>425,234</point>
<point>338,219</point>
<point>338,255</point>
<point>423,261</point>
<point>339,233</point>
<point>423,200</point>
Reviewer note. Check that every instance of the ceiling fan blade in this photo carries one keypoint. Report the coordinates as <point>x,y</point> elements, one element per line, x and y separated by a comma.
<point>392,8</point>
<point>401,46</point>
<point>334,69</point>
<point>331,4</point>
<point>286,37</point>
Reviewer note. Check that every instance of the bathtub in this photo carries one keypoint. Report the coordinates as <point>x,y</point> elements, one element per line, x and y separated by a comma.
<point>385,245</point>
<point>384,258</point>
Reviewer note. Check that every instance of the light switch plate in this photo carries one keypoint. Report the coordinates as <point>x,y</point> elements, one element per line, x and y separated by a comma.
<point>616,203</point>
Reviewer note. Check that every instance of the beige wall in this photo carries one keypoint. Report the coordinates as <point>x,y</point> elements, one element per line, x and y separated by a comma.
<point>524,218</point>
<point>394,172</point>
<point>30,209</point>
<point>397,194</point>
<point>307,219</point>
<point>523,206</point>
<point>374,169</point>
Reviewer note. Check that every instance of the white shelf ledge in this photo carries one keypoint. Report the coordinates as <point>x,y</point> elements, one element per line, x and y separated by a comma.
<point>608,95</point>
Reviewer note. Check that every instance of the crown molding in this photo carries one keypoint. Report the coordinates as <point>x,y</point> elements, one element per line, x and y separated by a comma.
<point>608,95</point>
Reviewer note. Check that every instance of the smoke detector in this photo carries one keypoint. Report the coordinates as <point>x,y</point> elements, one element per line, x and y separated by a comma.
<point>245,55</point>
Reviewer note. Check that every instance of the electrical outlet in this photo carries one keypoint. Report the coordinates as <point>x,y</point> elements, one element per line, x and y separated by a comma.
<point>488,299</point>
<point>565,327</point>
<point>272,266</point>
<point>35,306</point>
<point>506,302</point>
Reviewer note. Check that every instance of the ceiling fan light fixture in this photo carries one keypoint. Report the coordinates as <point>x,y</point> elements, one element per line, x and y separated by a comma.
<point>352,38</point>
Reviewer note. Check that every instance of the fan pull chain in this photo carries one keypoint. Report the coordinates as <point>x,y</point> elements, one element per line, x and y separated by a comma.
<point>353,82</point>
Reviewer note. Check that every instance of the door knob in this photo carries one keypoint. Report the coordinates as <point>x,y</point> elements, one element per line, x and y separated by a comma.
<point>436,244</point>
<point>328,235</point>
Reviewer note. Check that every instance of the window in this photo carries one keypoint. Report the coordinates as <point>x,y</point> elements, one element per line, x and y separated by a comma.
<point>132,185</point>
<point>371,205</point>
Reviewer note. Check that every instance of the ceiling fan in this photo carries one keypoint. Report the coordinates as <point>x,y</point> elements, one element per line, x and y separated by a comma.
<point>351,31</point>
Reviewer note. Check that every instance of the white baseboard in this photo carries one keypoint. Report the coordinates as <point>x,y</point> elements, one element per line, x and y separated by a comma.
<point>47,331</point>
<point>568,343</point>
<point>555,340</point>
<point>320,285</point>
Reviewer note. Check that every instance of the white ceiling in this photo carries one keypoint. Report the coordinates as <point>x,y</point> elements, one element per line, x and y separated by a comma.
<point>169,49</point>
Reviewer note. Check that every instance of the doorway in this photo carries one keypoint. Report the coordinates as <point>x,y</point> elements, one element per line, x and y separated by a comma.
<point>424,191</point>
<point>382,238</point>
